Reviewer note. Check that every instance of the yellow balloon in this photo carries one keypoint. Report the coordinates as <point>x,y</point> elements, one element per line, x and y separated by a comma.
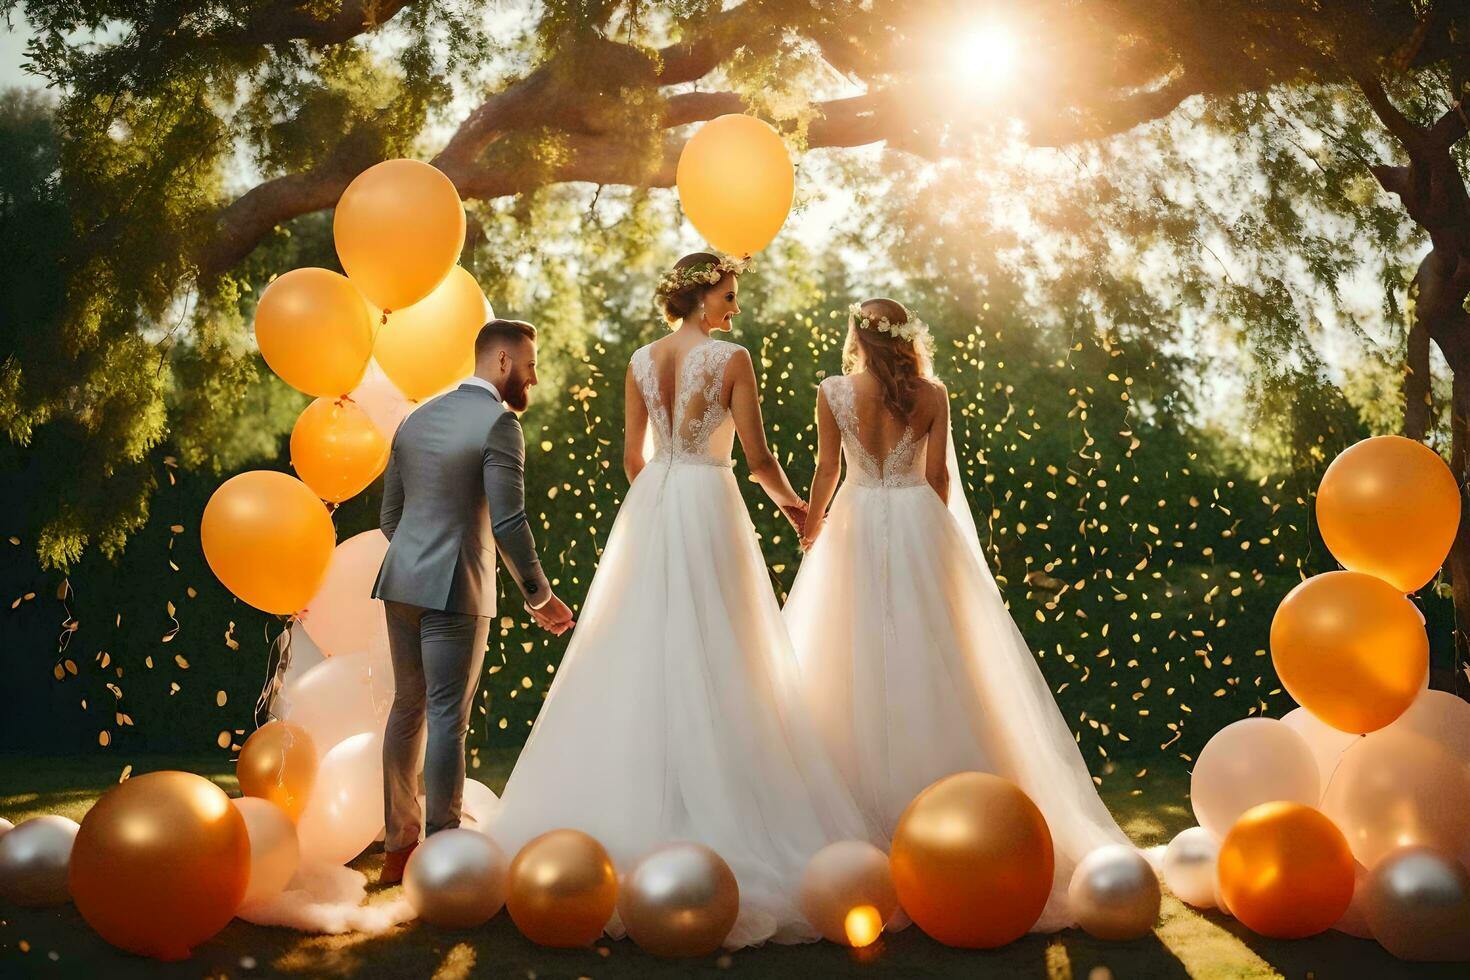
<point>278,763</point>
<point>269,539</point>
<point>1390,507</point>
<point>1351,649</point>
<point>430,345</point>
<point>336,449</point>
<point>972,861</point>
<point>563,889</point>
<point>399,229</point>
<point>160,864</point>
<point>1286,871</point>
<point>736,182</point>
<point>313,330</point>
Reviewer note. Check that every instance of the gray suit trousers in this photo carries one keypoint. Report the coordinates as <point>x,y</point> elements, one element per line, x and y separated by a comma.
<point>437,658</point>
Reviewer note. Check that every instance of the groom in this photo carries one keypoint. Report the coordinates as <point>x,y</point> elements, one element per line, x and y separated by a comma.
<point>453,495</point>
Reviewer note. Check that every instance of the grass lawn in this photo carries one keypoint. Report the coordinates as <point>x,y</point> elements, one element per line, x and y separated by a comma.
<point>1187,943</point>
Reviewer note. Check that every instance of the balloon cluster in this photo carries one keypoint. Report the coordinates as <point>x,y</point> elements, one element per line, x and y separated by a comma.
<point>1353,811</point>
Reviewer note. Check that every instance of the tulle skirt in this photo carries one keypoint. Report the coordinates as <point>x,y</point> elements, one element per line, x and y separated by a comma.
<point>912,669</point>
<point>676,714</point>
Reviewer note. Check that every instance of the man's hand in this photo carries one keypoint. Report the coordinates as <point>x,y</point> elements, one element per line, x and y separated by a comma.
<point>553,616</point>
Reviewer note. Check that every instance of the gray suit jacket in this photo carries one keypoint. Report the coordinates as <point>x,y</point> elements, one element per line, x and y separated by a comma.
<point>453,494</point>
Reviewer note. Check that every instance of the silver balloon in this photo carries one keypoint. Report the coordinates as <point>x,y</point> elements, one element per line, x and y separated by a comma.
<point>1114,893</point>
<point>457,878</point>
<point>679,900</point>
<point>1189,867</point>
<point>34,859</point>
<point>1418,905</point>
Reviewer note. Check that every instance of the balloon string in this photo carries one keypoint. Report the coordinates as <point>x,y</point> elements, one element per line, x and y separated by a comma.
<point>277,661</point>
<point>1338,765</point>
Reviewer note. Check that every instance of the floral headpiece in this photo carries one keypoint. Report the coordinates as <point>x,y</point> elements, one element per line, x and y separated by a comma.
<point>703,274</point>
<point>911,330</point>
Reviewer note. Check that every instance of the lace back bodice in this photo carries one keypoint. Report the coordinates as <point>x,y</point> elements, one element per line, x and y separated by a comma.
<point>695,430</point>
<point>901,466</point>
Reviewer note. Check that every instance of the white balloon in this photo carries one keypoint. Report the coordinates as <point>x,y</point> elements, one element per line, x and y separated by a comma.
<point>1190,867</point>
<point>35,858</point>
<point>480,802</point>
<point>343,617</point>
<point>341,696</point>
<point>345,810</point>
<point>1249,762</point>
<point>1354,921</point>
<point>5,825</point>
<point>1442,717</point>
<point>1327,743</point>
<point>381,399</point>
<point>457,879</point>
<point>274,851</point>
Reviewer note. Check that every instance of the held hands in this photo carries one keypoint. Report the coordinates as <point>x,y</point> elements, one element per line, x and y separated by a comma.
<point>810,528</point>
<point>795,513</point>
<point>553,616</point>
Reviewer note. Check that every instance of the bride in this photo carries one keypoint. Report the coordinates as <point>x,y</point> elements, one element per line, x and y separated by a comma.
<point>912,668</point>
<point>676,713</point>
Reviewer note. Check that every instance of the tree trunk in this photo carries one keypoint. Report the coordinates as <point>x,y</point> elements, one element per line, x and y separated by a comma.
<point>1418,401</point>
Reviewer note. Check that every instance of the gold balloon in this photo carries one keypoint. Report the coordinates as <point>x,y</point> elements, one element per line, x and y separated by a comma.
<point>336,449</point>
<point>278,763</point>
<point>972,861</point>
<point>846,886</point>
<point>313,330</point>
<point>736,182</point>
<point>1286,870</point>
<point>563,889</point>
<point>399,229</point>
<point>160,864</point>
<point>269,539</point>
<point>681,900</point>
<point>1389,506</point>
<point>1351,649</point>
<point>430,345</point>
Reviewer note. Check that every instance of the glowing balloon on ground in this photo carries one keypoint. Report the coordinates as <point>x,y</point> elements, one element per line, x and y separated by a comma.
<point>342,696</point>
<point>457,879</point>
<point>680,900</point>
<point>313,330</point>
<point>160,864</point>
<point>1395,788</point>
<point>1189,866</point>
<point>1418,905</point>
<point>1115,893</point>
<point>399,228</point>
<point>841,878</point>
<point>345,811</point>
<point>1327,743</point>
<point>336,449</point>
<point>269,539</point>
<point>343,617</point>
<point>972,861</point>
<point>1251,761</point>
<point>430,345</point>
<point>1286,871</point>
<point>1351,649</point>
<point>34,857</point>
<point>274,851</point>
<point>278,763</point>
<point>1389,507</point>
<point>736,182</point>
<point>563,889</point>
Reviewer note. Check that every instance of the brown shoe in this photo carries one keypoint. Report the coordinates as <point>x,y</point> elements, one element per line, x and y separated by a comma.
<point>393,864</point>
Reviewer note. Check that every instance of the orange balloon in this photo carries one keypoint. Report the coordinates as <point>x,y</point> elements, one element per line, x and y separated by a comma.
<point>399,229</point>
<point>278,763</point>
<point>563,889</point>
<point>1351,649</point>
<point>736,183</point>
<point>336,449</point>
<point>314,331</point>
<point>972,861</point>
<point>430,345</point>
<point>1286,871</point>
<point>160,864</point>
<point>269,539</point>
<point>1390,507</point>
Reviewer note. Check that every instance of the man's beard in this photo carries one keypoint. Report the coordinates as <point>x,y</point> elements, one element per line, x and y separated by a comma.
<point>517,394</point>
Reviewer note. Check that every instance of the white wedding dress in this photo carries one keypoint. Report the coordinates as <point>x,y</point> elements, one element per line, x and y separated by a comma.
<point>676,713</point>
<point>911,665</point>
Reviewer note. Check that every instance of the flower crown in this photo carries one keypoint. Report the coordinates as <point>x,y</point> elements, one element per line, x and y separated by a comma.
<point>910,330</point>
<point>703,274</point>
